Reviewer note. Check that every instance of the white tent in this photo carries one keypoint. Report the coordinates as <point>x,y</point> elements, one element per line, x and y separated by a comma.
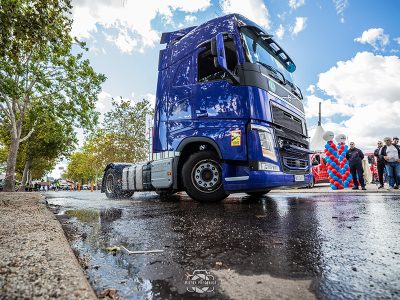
<point>317,143</point>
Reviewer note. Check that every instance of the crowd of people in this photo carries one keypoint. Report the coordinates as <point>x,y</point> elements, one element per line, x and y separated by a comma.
<point>388,160</point>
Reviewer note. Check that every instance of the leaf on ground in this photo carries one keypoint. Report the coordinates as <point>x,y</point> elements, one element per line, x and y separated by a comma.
<point>113,249</point>
<point>109,292</point>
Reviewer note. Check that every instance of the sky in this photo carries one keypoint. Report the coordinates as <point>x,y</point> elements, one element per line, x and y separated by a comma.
<point>346,53</point>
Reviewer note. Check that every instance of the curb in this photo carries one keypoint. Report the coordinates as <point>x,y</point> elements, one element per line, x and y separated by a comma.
<point>36,260</point>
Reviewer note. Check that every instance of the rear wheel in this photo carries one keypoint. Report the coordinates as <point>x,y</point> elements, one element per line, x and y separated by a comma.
<point>258,194</point>
<point>113,188</point>
<point>202,177</point>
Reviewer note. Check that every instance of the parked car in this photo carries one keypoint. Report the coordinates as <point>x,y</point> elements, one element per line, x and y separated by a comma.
<point>319,168</point>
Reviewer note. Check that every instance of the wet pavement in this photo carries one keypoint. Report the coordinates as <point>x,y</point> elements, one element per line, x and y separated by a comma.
<point>327,246</point>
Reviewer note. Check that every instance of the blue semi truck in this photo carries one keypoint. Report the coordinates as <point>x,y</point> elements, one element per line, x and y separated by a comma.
<point>228,117</point>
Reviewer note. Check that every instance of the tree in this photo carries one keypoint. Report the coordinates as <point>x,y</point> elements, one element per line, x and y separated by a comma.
<point>79,168</point>
<point>124,132</point>
<point>37,66</point>
<point>122,138</point>
<point>51,139</point>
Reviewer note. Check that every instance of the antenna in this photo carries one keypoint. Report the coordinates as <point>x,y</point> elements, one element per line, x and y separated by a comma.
<point>319,115</point>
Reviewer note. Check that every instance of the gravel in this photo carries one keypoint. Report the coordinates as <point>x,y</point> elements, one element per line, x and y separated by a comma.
<point>36,261</point>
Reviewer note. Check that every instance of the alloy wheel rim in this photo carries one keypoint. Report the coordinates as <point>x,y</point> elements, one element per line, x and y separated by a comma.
<point>206,176</point>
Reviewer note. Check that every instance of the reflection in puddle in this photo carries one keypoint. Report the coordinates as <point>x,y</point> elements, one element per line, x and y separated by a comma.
<point>319,239</point>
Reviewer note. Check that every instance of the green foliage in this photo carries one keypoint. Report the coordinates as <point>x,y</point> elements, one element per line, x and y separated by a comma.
<point>51,140</point>
<point>122,139</point>
<point>79,168</point>
<point>38,67</point>
<point>124,132</point>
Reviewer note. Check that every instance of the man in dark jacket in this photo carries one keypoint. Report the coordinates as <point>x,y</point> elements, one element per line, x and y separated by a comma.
<point>391,154</point>
<point>395,142</point>
<point>354,157</point>
<point>380,163</point>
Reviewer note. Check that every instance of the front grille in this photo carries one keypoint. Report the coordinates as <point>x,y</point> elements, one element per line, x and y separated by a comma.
<point>294,163</point>
<point>286,120</point>
<point>288,97</point>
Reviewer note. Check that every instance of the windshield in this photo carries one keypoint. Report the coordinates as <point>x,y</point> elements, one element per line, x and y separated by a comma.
<point>259,51</point>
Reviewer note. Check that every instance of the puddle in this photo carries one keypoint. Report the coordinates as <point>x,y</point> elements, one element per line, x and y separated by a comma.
<point>334,247</point>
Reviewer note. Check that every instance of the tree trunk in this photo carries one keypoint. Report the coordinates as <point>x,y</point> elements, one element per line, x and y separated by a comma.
<point>9,184</point>
<point>25,176</point>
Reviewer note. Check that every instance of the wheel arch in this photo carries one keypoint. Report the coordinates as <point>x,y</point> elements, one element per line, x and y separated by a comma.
<point>187,147</point>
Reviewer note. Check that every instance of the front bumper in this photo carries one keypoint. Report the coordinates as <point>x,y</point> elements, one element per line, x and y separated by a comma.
<point>263,180</point>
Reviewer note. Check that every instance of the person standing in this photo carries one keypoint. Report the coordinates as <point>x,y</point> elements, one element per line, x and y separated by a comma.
<point>380,163</point>
<point>391,155</point>
<point>354,157</point>
<point>395,142</point>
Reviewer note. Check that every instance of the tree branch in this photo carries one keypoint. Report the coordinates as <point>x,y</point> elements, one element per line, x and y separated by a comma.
<point>28,135</point>
<point>12,115</point>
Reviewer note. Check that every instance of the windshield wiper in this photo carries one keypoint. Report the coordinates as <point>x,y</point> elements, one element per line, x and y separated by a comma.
<point>274,71</point>
<point>294,89</point>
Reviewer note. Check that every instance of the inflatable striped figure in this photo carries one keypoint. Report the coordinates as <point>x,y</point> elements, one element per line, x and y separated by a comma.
<point>344,165</point>
<point>334,169</point>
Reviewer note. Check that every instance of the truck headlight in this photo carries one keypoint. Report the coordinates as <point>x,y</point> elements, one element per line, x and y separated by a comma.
<point>267,144</point>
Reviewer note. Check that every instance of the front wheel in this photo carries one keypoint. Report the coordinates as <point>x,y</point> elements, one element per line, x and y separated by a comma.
<point>202,177</point>
<point>113,188</point>
<point>312,183</point>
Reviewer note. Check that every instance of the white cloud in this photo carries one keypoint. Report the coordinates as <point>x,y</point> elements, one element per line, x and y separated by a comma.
<point>300,25</point>
<point>280,32</point>
<point>397,40</point>
<point>104,101</point>
<point>124,41</point>
<point>375,37</point>
<point>329,107</point>
<point>190,18</point>
<point>293,4</point>
<point>255,10</point>
<point>311,89</point>
<point>97,51</point>
<point>340,6</point>
<point>130,26</point>
<point>366,91</point>
<point>365,79</point>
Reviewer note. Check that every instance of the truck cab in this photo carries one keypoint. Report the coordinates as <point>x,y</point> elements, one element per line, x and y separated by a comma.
<point>228,117</point>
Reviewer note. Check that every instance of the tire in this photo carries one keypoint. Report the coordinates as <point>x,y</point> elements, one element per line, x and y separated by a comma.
<point>202,177</point>
<point>113,188</point>
<point>258,194</point>
<point>312,183</point>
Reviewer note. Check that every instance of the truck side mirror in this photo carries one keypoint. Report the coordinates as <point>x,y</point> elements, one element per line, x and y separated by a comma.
<point>218,51</point>
<point>221,57</point>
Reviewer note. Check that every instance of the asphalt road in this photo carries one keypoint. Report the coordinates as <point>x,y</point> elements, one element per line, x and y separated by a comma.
<point>303,246</point>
